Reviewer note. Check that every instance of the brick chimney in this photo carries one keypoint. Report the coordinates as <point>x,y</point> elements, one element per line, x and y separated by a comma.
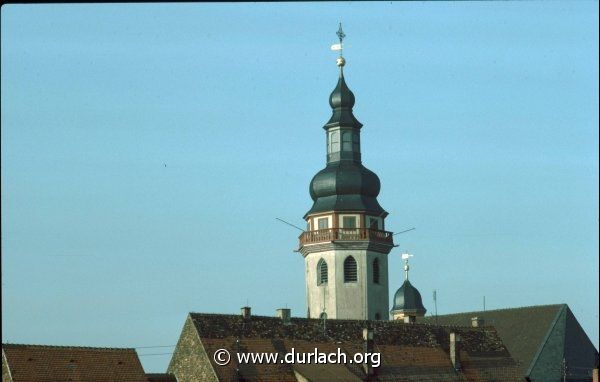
<point>455,350</point>
<point>285,314</point>
<point>368,348</point>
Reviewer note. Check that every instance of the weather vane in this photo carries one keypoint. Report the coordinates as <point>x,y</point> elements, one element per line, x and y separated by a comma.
<point>405,257</point>
<point>340,33</point>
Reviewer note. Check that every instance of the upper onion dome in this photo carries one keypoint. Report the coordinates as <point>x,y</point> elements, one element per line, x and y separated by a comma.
<point>341,96</point>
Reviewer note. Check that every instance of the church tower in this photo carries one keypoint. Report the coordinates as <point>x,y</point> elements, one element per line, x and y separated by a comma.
<point>345,246</point>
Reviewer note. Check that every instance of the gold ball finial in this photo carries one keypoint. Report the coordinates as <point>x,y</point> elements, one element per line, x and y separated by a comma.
<point>341,61</point>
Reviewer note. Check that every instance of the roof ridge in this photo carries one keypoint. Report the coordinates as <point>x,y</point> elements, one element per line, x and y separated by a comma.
<point>374,323</point>
<point>8,344</point>
<point>501,309</point>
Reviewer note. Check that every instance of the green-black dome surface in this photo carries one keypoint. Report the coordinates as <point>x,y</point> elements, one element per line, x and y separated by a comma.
<point>345,186</point>
<point>408,300</point>
<point>341,101</point>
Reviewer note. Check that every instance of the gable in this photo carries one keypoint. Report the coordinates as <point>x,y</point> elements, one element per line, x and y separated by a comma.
<point>547,364</point>
<point>190,361</point>
<point>581,355</point>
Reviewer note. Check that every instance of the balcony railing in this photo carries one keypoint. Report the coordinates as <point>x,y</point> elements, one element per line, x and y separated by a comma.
<point>350,234</point>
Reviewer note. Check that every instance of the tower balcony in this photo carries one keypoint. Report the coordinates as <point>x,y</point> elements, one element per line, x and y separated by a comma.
<point>345,234</point>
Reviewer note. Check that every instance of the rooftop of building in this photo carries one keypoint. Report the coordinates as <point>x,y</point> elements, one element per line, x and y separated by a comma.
<point>26,363</point>
<point>409,352</point>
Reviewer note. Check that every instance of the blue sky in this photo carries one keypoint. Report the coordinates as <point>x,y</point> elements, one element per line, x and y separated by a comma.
<point>148,148</point>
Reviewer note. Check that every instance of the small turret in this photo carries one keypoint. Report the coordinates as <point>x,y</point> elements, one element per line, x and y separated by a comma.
<point>408,304</point>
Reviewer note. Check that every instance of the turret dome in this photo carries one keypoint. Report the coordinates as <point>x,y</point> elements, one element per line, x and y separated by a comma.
<point>408,300</point>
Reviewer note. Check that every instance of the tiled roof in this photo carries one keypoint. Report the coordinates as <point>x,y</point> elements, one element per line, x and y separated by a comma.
<point>42,363</point>
<point>409,352</point>
<point>522,330</point>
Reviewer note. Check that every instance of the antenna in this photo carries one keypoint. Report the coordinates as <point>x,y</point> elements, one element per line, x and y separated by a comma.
<point>484,304</point>
<point>290,224</point>
<point>406,230</point>
<point>435,304</point>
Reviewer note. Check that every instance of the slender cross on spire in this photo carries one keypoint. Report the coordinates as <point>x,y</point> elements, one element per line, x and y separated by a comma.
<point>340,33</point>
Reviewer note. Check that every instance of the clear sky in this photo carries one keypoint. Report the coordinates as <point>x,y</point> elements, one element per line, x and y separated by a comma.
<point>148,148</point>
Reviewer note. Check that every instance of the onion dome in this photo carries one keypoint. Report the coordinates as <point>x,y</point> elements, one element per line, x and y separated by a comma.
<point>345,186</point>
<point>344,179</point>
<point>408,300</point>
<point>341,96</point>
<point>341,101</point>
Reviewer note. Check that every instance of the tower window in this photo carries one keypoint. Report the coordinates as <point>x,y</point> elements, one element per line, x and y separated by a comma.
<point>349,221</point>
<point>335,141</point>
<point>347,141</point>
<point>376,271</point>
<point>356,142</point>
<point>350,272</point>
<point>323,223</point>
<point>373,223</point>
<point>322,272</point>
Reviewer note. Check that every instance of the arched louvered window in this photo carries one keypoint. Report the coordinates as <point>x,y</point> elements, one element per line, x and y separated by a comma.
<point>376,271</point>
<point>350,272</point>
<point>322,272</point>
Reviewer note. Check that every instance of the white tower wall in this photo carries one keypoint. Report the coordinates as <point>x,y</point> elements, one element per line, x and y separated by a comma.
<point>360,300</point>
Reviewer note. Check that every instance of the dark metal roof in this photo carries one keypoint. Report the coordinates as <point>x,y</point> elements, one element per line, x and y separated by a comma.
<point>408,299</point>
<point>344,178</point>
<point>341,101</point>
<point>345,184</point>
<point>528,331</point>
